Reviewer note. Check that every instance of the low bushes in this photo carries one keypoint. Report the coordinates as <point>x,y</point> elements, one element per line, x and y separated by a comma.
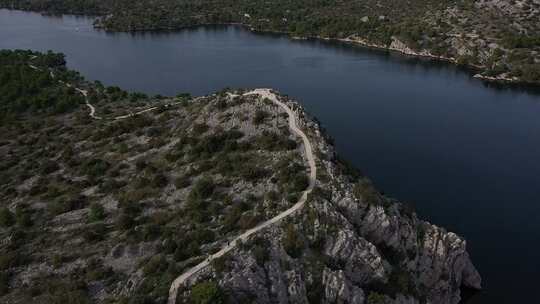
<point>6,217</point>
<point>207,293</point>
<point>292,242</point>
<point>364,190</point>
<point>97,213</point>
<point>259,117</point>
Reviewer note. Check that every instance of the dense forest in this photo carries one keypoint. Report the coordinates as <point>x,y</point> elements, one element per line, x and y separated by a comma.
<point>34,82</point>
<point>501,40</point>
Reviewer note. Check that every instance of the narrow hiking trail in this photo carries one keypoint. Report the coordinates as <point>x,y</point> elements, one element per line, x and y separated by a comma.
<point>308,150</point>
<point>88,104</point>
<point>81,91</point>
<point>92,109</point>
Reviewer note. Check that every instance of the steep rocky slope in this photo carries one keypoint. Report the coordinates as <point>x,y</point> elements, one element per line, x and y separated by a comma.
<point>349,245</point>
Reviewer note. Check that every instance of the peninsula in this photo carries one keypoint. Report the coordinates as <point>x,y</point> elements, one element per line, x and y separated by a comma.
<point>234,197</point>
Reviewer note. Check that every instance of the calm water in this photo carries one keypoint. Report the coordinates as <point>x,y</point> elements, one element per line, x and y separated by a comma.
<point>466,155</point>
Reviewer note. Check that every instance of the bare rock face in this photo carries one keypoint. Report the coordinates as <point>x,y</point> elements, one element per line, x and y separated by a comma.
<point>339,290</point>
<point>349,244</point>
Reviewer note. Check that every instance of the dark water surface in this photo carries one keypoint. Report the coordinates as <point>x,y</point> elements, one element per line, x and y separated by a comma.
<point>466,155</point>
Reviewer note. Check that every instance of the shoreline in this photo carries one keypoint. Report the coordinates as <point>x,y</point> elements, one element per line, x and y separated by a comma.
<point>475,71</point>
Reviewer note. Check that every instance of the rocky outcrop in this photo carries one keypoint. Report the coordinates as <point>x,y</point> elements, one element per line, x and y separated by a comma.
<point>353,245</point>
<point>337,289</point>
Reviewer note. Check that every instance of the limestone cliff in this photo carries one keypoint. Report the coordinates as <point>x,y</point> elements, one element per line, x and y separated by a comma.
<point>349,244</point>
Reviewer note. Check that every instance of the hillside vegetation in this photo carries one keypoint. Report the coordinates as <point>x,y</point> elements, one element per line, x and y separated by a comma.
<point>500,38</point>
<point>112,210</point>
<point>89,207</point>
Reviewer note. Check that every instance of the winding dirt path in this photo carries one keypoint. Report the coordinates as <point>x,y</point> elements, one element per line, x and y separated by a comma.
<point>293,125</point>
<point>88,104</point>
<point>83,92</point>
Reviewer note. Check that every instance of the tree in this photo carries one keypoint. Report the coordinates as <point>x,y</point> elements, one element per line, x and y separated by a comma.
<point>203,188</point>
<point>207,293</point>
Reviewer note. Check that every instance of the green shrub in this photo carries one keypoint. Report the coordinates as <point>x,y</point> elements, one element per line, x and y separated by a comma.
<point>203,188</point>
<point>259,117</point>
<point>151,232</point>
<point>260,250</point>
<point>111,185</point>
<point>248,221</point>
<point>95,233</point>
<point>23,217</point>
<point>6,217</point>
<point>292,242</point>
<point>273,142</point>
<point>200,128</point>
<point>140,164</point>
<point>97,213</point>
<point>66,204</point>
<point>156,264</point>
<point>11,259</point>
<point>96,271</point>
<point>184,251</point>
<point>4,283</point>
<point>364,190</point>
<point>233,215</point>
<point>207,293</point>
<point>68,291</point>
<point>315,291</point>
<point>159,180</point>
<point>182,182</point>
<point>375,298</point>
<point>531,72</point>
<point>521,41</point>
<point>219,264</point>
<point>136,195</point>
<point>272,196</point>
<point>300,182</point>
<point>126,221</point>
<point>49,167</point>
<point>95,167</point>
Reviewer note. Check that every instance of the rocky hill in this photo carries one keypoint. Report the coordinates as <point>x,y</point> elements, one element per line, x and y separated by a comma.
<point>350,244</point>
<point>498,39</point>
<point>113,208</point>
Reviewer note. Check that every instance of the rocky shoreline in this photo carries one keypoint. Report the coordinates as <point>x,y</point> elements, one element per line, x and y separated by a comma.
<point>400,47</point>
<point>396,46</point>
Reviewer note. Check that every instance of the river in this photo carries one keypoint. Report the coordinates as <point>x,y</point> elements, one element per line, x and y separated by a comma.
<point>464,153</point>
